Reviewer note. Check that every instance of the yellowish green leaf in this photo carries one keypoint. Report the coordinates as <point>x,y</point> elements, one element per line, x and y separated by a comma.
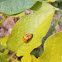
<point>53,49</point>
<point>28,58</point>
<point>3,42</point>
<point>51,0</point>
<point>4,56</point>
<point>34,59</point>
<point>37,24</point>
<point>41,6</point>
<point>17,15</point>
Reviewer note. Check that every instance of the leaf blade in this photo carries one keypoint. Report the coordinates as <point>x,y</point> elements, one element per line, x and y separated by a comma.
<point>15,6</point>
<point>53,49</point>
<point>37,24</point>
<point>3,42</point>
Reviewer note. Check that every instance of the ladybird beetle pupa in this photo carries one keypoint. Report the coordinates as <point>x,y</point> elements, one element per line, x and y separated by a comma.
<point>27,37</point>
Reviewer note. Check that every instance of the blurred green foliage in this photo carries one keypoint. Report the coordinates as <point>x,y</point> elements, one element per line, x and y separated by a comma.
<point>57,4</point>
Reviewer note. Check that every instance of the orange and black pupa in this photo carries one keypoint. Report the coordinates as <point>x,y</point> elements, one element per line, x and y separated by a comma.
<point>27,37</point>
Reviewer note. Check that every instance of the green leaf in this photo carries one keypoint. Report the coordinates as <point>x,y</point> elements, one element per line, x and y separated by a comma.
<point>17,15</point>
<point>10,7</point>
<point>41,6</point>
<point>53,49</point>
<point>51,0</point>
<point>59,0</point>
<point>3,42</point>
<point>37,24</point>
<point>36,8</point>
<point>28,58</point>
<point>4,56</point>
<point>34,59</point>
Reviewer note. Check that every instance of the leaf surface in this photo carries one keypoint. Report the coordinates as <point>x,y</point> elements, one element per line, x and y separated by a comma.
<point>53,49</point>
<point>28,58</point>
<point>10,7</point>
<point>3,42</point>
<point>51,0</point>
<point>37,24</point>
<point>4,56</point>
